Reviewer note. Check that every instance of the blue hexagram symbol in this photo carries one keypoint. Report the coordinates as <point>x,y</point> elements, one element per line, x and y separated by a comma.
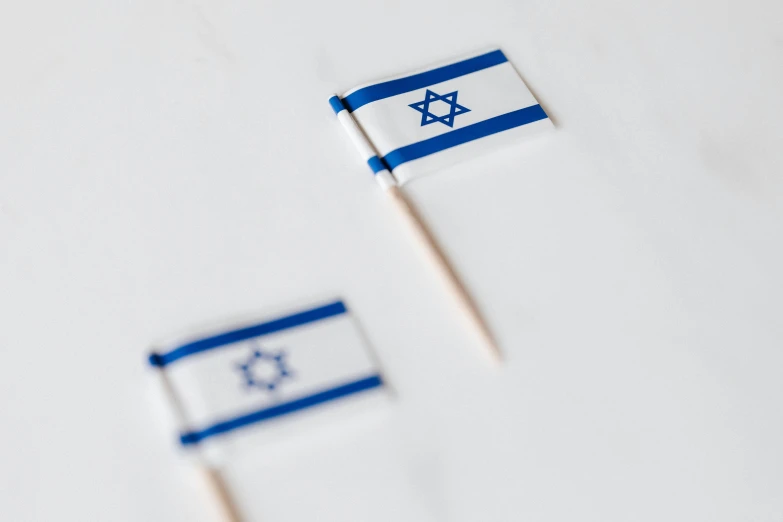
<point>265,370</point>
<point>427,117</point>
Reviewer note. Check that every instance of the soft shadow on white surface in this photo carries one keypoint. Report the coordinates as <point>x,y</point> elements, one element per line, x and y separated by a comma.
<point>167,164</point>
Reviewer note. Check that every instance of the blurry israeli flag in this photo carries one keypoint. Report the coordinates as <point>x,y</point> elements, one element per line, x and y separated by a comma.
<point>243,377</point>
<point>427,120</point>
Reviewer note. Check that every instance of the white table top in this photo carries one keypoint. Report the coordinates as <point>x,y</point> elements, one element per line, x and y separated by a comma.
<point>166,164</point>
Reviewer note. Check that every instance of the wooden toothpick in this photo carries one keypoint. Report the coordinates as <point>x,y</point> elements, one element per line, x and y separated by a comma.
<point>216,484</point>
<point>436,256</point>
<point>425,239</point>
<point>212,478</point>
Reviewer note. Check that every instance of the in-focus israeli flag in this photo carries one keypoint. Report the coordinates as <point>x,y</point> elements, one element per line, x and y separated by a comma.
<point>243,377</point>
<point>430,119</point>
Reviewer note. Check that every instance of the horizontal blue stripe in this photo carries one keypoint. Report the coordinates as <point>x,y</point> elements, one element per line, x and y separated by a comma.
<point>457,137</point>
<point>376,164</point>
<point>276,325</point>
<point>391,88</point>
<point>336,104</point>
<point>194,437</point>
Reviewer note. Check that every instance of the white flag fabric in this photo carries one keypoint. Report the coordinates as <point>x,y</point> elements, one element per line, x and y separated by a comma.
<point>257,373</point>
<point>429,119</point>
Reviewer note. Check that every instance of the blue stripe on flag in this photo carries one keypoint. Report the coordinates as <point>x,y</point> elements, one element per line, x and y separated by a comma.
<point>194,437</point>
<point>469,133</point>
<point>336,104</point>
<point>376,164</point>
<point>391,88</point>
<point>276,325</point>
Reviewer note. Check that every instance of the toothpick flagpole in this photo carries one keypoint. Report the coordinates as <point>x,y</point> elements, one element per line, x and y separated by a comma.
<point>216,484</point>
<point>424,238</point>
<point>211,476</point>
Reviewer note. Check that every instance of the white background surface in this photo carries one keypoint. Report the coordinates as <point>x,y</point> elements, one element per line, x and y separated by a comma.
<point>169,163</point>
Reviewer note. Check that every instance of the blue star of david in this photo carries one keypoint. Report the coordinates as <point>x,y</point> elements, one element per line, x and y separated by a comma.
<point>455,109</point>
<point>274,362</point>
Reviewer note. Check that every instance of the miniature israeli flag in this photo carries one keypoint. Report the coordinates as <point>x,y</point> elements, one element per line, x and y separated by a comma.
<point>424,121</point>
<point>261,372</point>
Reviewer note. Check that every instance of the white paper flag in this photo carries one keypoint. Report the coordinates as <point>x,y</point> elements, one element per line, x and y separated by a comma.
<point>257,373</point>
<point>430,119</point>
